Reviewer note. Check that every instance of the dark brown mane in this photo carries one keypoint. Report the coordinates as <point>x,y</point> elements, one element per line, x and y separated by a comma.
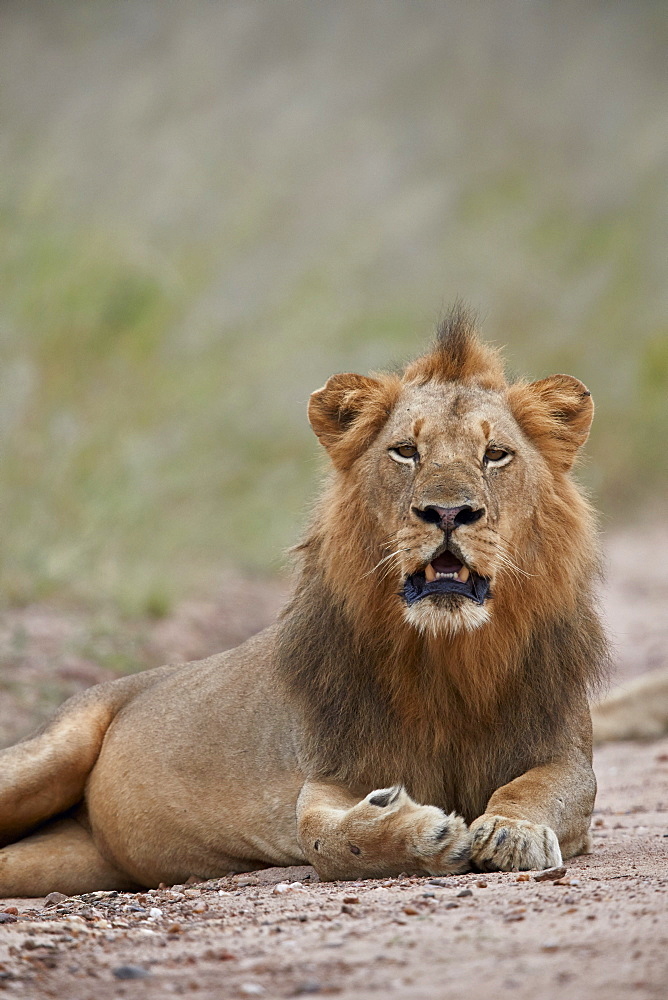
<point>458,355</point>
<point>455,717</point>
<point>383,707</point>
<point>455,335</point>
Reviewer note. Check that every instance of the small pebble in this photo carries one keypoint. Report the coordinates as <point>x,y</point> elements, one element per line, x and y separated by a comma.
<point>311,986</point>
<point>464,892</point>
<point>8,918</point>
<point>351,899</point>
<point>350,910</point>
<point>283,887</point>
<point>523,877</point>
<point>452,906</point>
<point>550,874</point>
<point>130,972</point>
<point>55,897</point>
<point>410,911</point>
<point>481,884</point>
<point>251,989</point>
<point>11,909</point>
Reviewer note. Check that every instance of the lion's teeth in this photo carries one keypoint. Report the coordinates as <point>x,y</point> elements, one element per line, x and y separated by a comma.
<point>431,574</point>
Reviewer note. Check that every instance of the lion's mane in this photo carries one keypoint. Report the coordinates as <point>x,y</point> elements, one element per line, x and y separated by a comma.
<point>381,702</point>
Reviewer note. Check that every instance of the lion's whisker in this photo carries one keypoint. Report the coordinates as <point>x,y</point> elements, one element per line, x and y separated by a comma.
<point>512,565</point>
<point>392,555</point>
<point>504,551</point>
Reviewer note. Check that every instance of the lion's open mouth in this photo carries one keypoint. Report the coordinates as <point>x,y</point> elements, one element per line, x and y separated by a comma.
<point>446,574</point>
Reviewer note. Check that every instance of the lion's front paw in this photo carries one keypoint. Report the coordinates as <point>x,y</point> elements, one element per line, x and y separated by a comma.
<point>408,835</point>
<point>501,844</point>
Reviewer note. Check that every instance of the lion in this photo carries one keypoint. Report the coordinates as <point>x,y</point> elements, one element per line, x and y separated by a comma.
<point>419,706</point>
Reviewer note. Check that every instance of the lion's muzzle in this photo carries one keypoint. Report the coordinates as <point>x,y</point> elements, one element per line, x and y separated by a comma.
<point>446,574</point>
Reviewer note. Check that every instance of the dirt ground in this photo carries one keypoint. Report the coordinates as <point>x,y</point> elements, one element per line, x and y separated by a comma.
<point>601,931</point>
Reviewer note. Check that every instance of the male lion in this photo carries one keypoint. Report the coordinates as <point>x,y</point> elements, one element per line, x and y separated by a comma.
<point>421,703</point>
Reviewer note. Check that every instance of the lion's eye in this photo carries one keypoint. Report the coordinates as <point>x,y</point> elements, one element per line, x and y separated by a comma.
<point>497,456</point>
<point>404,453</point>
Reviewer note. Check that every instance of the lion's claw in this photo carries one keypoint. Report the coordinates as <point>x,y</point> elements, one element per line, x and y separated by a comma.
<point>502,844</point>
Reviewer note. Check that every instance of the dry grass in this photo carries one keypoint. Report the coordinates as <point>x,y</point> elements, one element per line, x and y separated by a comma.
<point>208,208</point>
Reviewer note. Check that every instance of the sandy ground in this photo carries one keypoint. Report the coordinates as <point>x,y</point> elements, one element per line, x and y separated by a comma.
<point>599,932</point>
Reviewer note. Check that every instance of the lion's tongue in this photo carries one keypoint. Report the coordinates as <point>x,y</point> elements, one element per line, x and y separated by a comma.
<point>446,566</point>
<point>446,563</point>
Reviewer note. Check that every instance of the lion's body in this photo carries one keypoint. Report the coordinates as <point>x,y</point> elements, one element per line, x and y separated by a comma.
<point>475,704</point>
<point>194,792</point>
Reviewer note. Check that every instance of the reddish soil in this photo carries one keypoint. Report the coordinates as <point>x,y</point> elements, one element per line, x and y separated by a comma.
<point>601,932</point>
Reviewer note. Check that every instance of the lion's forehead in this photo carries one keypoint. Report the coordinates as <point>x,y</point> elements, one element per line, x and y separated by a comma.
<point>452,412</point>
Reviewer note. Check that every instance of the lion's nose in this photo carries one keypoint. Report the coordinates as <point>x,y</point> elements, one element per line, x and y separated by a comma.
<point>448,518</point>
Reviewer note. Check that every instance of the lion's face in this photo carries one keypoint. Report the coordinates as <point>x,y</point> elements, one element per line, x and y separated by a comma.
<point>448,485</point>
<point>449,481</point>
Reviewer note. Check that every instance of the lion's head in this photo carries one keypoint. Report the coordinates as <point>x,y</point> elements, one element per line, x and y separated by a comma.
<point>452,501</point>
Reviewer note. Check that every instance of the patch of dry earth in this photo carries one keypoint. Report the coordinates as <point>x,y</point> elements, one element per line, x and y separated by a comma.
<point>602,934</point>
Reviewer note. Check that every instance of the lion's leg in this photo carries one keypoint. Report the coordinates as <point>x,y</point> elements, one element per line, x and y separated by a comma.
<point>60,857</point>
<point>384,834</point>
<point>46,773</point>
<point>537,819</point>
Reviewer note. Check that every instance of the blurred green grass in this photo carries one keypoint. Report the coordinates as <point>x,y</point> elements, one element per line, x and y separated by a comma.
<point>206,214</point>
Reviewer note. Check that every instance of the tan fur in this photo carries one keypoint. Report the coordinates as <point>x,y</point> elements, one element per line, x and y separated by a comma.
<point>358,734</point>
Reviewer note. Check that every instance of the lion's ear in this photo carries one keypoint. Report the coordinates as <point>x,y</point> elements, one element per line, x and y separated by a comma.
<point>348,412</point>
<point>556,413</point>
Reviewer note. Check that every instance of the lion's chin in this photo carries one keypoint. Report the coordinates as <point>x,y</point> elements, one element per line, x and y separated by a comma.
<point>446,616</point>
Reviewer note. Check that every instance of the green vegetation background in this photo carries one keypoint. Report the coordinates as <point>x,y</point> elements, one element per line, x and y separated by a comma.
<point>207,208</point>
